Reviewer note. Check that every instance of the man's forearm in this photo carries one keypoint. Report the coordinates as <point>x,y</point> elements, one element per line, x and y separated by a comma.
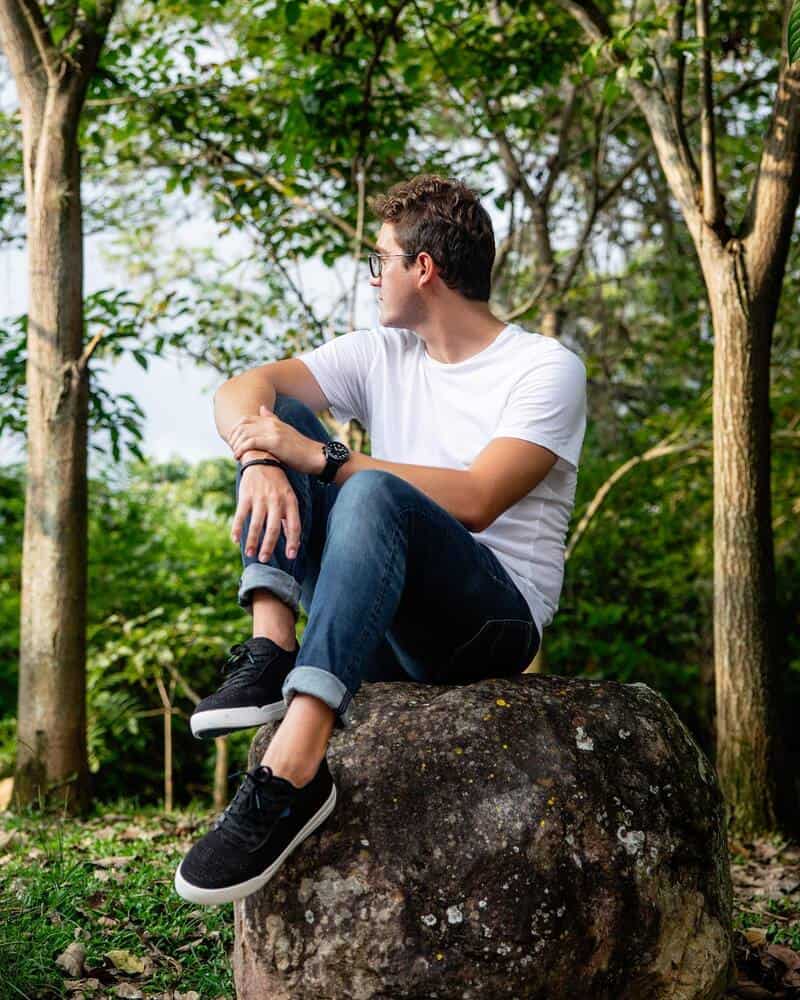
<point>239,397</point>
<point>453,489</point>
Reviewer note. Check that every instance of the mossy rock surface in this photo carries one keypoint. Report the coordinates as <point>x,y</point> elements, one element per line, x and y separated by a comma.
<point>533,837</point>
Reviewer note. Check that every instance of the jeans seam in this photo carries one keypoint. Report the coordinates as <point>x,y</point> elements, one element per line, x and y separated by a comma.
<point>494,621</point>
<point>384,583</point>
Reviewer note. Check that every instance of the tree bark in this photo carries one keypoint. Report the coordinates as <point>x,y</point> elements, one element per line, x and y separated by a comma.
<point>51,725</point>
<point>749,743</point>
<point>51,752</point>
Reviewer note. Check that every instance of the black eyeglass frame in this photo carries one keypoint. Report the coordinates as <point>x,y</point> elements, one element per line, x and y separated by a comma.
<point>376,261</point>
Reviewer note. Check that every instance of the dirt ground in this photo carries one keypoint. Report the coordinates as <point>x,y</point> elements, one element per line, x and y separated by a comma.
<point>766,888</point>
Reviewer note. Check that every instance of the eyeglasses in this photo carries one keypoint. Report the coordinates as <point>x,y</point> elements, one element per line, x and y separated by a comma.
<point>376,261</point>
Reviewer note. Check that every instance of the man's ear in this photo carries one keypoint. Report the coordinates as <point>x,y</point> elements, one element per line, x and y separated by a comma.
<point>428,268</point>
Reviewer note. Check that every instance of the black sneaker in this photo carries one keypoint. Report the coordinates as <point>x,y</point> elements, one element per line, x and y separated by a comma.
<point>251,693</point>
<point>248,843</point>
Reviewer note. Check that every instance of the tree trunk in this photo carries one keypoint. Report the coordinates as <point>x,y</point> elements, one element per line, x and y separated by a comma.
<point>221,773</point>
<point>748,727</point>
<point>51,755</point>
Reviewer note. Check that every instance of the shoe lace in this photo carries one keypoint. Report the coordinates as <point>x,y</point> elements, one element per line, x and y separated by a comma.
<point>254,809</point>
<point>240,667</point>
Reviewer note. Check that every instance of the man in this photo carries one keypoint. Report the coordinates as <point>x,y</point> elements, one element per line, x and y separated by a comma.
<point>438,559</point>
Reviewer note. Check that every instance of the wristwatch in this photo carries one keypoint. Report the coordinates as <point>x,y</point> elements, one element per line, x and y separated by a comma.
<point>336,454</point>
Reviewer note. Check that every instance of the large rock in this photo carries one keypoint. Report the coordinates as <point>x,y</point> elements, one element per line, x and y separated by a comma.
<point>527,838</point>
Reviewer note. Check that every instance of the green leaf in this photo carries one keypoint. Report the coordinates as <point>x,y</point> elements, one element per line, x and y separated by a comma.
<point>794,32</point>
<point>291,12</point>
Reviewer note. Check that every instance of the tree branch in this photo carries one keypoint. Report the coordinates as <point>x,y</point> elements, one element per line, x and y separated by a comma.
<point>673,153</point>
<point>708,153</point>
<point>663,448</point>
<point>19,44</point>
<point>40,33</point>
<point>271,181</point>
<point>768,221</point>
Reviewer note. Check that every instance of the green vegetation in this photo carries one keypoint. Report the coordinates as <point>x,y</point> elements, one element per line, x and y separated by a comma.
<point>107,884</point>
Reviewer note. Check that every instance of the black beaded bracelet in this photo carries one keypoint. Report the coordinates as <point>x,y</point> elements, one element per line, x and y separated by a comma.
<point>263,461</point>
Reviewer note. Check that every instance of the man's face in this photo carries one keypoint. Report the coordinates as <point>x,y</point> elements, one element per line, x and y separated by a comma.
<point>398,296</point>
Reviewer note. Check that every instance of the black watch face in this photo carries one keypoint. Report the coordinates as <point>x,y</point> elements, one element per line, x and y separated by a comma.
<point>337,451</point>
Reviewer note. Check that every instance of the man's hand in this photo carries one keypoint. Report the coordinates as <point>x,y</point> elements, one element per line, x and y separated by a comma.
<point>266,494</point>
<point>266,432</point>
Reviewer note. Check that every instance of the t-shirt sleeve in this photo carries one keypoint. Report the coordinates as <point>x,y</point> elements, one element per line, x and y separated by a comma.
<point>341,367</point>
<point>547,406</point>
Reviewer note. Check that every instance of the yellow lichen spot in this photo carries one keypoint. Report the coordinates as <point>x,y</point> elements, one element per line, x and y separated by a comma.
<point>458,750</point>
<point>505,746</point>
<point>487,716</point>
<point>439,956</point>
<point>502,703</point>
<point>541,822</point>
<point>550,801</point>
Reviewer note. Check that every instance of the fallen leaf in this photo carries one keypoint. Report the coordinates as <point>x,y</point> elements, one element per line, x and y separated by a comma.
<point>106,833</point>
<point>755,936</point>
<point>125,961</point>
<point>134,833</point>
<point>8,838</point>
<point>788,956</point>
<point>128,990</point>
<point>747,990</point>
<point>87,985</point>
<point>113,861</point>
<point>71,959</point>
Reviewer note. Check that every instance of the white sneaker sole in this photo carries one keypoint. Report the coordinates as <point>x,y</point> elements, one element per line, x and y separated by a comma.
<point>231,719</point>
<point>210,897</point>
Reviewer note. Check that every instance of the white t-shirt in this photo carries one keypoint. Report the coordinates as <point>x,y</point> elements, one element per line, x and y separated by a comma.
<point>426,412</point>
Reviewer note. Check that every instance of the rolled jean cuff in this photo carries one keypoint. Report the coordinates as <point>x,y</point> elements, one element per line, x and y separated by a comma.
<point>260,576</point>
<point>323,685</point>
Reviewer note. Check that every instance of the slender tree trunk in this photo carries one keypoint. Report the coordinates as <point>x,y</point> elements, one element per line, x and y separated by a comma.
<point>749,751</point>
<point>221,773</point>
<point>51,756</point>
<point>51,84</point>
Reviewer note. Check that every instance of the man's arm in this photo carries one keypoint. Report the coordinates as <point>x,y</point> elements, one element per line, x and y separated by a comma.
<point>504,472</point>
<point>456,490</point>
<point>242,395</point>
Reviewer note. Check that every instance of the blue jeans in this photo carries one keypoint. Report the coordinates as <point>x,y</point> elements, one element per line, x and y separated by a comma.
<point>395,588</point>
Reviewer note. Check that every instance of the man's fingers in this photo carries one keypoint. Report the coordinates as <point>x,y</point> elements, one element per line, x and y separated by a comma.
<point>271,534</point>
<point>239,517</point>
<point>292,523</point>
<point>256,524</point>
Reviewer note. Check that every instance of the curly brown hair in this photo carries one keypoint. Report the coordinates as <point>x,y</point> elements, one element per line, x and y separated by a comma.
<point>443,217</point>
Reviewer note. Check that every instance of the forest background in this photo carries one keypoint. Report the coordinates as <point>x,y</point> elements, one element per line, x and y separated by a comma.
<point>274,123</point>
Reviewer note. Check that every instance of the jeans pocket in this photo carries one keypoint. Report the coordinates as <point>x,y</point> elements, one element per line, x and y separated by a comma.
<point>500,648</point>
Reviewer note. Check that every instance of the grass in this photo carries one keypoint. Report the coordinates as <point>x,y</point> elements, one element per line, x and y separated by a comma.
<point>107,883</point>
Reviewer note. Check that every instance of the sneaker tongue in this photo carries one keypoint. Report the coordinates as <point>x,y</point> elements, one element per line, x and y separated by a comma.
<point>262,645</point>
<point>264,776</point>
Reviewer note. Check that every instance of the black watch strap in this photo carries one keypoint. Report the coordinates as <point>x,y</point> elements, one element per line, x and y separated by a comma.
<point>262,461</point>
